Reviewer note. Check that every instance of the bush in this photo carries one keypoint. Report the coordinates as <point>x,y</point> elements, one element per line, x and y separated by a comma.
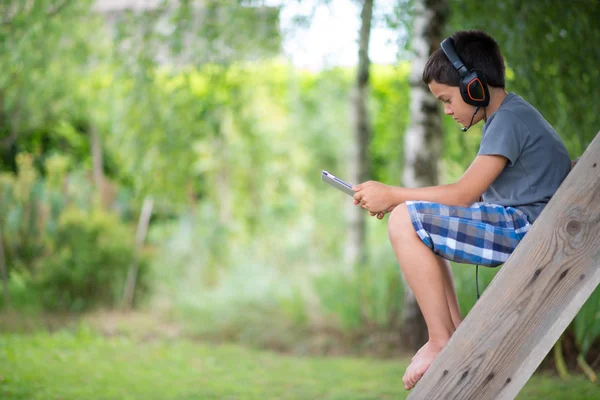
<point>368,299</point>
<point>88,267</point>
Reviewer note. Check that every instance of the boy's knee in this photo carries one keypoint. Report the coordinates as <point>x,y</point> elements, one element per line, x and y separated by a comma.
<point>399,223</point>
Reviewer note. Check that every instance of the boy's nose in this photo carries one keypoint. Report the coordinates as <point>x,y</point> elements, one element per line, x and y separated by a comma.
<point>447,110</point>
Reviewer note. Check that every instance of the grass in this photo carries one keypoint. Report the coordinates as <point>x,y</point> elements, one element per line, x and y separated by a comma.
<point>80,364</point>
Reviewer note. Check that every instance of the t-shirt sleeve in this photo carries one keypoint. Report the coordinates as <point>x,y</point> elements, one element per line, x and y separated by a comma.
<point>503,137</point>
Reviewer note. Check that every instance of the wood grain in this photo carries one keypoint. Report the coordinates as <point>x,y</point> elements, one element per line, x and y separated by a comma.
<point>531,301</point>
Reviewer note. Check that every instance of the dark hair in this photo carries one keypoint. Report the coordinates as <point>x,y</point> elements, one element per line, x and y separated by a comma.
<point>477,50</point>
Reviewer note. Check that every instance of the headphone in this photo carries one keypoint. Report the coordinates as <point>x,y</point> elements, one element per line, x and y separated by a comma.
<point>473,85</point>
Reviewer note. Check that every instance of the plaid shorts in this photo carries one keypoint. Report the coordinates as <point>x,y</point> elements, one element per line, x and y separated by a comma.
<point>483,233</point>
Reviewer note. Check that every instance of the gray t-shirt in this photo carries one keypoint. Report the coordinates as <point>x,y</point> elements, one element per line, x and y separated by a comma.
<point>538,161</point>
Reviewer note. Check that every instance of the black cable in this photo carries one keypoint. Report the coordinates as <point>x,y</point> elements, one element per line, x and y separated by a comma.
<point>473,117</point>
<point>477,266</point>
<point>477,280</point>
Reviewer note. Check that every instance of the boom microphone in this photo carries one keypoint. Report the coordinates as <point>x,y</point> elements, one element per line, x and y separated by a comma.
<point>470,123</point>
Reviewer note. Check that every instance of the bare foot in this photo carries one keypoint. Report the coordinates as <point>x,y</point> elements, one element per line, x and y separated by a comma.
<point>418,352</point>
<point>421,362</point>
<point>456,324</point>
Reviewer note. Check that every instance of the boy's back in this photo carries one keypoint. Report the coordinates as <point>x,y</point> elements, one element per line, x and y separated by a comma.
<point>538,160</point>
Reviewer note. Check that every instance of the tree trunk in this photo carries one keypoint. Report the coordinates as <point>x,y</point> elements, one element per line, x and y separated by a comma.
<point>356,252</point>
<point>4,272</point>
<point>423,138</point>
<point>97,164</point>
<point>140,236</point>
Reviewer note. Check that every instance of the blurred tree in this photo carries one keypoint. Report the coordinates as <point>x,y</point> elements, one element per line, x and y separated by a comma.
<point>423,138</point>
<point>41,53</point>
<point>359,166</point>
<point>160,43</point>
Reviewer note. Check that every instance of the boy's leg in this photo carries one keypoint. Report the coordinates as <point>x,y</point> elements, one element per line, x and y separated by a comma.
<point>455,234</point>
<point>422,271</point>
<point>450,295</point>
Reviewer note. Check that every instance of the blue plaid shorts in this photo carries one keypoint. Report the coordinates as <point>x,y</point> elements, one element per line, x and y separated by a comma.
<point>483,233</point>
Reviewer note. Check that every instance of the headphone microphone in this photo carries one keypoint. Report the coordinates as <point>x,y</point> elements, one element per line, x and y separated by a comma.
<point>470,123</point>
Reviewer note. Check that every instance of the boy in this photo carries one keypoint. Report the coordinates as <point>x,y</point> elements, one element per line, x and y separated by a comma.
<point>520,164</point>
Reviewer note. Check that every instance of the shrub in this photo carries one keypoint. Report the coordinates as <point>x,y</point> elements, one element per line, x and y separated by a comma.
<point>89,264</point>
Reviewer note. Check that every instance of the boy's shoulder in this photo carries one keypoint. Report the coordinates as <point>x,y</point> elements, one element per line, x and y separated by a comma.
<point>517,112</point>
<point>514,105</point>
<point>517,128</point>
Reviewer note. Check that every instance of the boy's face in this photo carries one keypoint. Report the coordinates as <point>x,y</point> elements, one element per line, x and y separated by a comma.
<point>454,105</point>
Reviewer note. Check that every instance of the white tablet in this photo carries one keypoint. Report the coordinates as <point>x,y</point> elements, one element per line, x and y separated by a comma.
<point>337,183</point>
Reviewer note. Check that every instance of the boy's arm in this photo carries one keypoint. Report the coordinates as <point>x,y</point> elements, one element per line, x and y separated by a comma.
<point>482,172</point>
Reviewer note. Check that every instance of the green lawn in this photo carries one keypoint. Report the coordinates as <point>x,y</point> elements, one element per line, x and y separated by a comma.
<point>83,365</point>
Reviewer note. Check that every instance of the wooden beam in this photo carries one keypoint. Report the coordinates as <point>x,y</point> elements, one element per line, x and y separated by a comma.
<point>531,301</point>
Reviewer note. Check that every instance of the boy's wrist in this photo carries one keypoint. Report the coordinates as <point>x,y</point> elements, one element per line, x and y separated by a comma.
<point>396,195</point>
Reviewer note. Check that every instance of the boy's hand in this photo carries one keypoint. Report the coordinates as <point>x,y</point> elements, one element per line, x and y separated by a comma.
<point>374,197</point>
<point>381,214</point>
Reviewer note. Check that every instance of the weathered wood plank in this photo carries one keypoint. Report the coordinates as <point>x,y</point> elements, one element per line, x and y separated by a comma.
<point>531,301</point>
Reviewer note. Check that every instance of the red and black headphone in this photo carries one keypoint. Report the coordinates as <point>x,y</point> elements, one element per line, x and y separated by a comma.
<point>473,85</point>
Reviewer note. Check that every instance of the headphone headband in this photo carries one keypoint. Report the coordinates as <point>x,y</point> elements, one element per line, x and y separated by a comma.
<point>473,85</point>
<point>448,47</point>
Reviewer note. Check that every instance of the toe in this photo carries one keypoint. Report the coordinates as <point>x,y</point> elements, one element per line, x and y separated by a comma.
<point>408,376</point>
<point>417,378</point>
<point>419,374</point>
<point>411,378</point>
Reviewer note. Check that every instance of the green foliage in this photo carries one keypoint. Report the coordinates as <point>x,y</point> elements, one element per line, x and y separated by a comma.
<point>28,215</point>
<point>389,117</point>
<point>368,299</point>
<point>89,262</point>
<point>243,320</point>
<point>586,325</point>
<point>464,281</point>
<point>61,259</point>
<point>263,215</point>
<point>41,68</point>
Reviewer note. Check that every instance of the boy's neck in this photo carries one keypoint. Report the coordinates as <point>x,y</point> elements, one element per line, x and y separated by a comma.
<point>497,96</point>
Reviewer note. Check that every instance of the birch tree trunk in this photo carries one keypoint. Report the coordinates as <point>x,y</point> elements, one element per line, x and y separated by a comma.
<point>423,137</point>
<point>97,164</point>
<point>140,237</point>
<point>356,252</point>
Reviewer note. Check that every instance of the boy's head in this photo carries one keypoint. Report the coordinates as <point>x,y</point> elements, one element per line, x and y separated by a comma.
<point>478,51</point>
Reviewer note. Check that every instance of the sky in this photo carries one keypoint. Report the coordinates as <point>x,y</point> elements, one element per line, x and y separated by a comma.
<point>332,38</point>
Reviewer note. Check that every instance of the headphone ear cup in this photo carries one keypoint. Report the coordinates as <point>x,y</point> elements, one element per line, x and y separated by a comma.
<point>474,89</point>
